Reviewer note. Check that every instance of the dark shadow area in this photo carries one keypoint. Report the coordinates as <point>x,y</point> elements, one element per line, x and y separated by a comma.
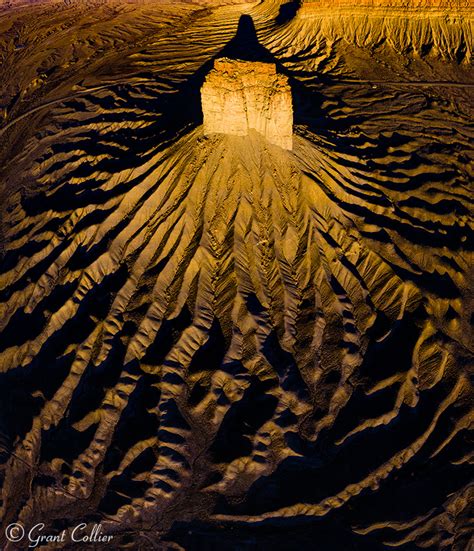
<point>285,366</point>
<point>24,389</point>
<point>167,336</point>
<point>288,11</point>
<point>241,422</point>
<point>137,422</point>
<point>245,44</point>
<point>210,355</point>
<point>124,488</point>
<point>279,535</point>
<point>325,469</point>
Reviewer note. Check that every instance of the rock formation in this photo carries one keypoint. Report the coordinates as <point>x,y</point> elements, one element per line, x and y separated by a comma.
<point>211,342</point>
<point>443,4</point>
<point>440,28</point>
<point>240,96</point>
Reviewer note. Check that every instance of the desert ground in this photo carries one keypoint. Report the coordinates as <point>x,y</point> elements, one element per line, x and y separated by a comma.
<point>236,274</point>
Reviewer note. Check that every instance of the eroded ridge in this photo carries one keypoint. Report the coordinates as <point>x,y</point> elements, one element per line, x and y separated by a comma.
<point>440,27</point>
<point>206,338</point>
<point>240,96</point>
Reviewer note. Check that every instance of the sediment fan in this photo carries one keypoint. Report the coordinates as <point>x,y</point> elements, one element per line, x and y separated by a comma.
<point>208,340</point>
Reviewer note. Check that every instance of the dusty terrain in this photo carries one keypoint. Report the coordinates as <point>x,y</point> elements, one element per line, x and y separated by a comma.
<point>209,341</point>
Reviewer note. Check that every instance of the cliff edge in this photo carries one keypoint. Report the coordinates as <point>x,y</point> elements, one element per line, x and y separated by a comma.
<point>239,96</point>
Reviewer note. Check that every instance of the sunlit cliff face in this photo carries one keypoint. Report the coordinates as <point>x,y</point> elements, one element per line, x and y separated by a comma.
<point>240,96</point>
<point>235,278</point>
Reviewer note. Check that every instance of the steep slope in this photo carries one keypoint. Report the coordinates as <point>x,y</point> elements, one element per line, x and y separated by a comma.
<point>208,340</point>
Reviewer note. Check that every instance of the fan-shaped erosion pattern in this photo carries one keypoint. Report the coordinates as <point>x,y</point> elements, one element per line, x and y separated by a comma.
<point>236,274</point>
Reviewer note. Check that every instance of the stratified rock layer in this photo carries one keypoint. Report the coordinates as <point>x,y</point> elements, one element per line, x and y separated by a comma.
<point>444,4</point>
<point>240,96</point>
<point>440,28</point>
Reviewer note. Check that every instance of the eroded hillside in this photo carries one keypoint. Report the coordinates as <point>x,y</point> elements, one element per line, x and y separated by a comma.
<point>211,341</point>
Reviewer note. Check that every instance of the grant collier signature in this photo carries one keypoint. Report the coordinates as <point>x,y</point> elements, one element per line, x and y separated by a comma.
<point>82,533</point>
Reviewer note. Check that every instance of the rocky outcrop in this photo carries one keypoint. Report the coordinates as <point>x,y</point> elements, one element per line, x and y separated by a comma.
<point>239,96</point>
<point>439,28</point>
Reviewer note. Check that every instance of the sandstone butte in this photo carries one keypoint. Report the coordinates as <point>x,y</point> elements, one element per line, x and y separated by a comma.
<point>239,96</point>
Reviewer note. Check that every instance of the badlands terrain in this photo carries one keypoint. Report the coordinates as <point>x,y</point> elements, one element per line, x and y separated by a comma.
<point>236,273</point>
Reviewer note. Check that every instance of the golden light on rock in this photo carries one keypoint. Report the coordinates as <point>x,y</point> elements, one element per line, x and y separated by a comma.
<point>238,96</point>
<point>236,275</point>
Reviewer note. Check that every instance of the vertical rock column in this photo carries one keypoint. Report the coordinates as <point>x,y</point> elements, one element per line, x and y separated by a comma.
<point>238,96</point>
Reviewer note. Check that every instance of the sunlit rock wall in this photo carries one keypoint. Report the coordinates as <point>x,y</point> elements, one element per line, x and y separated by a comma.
<point>440,28</point>
<point>239,96</point>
